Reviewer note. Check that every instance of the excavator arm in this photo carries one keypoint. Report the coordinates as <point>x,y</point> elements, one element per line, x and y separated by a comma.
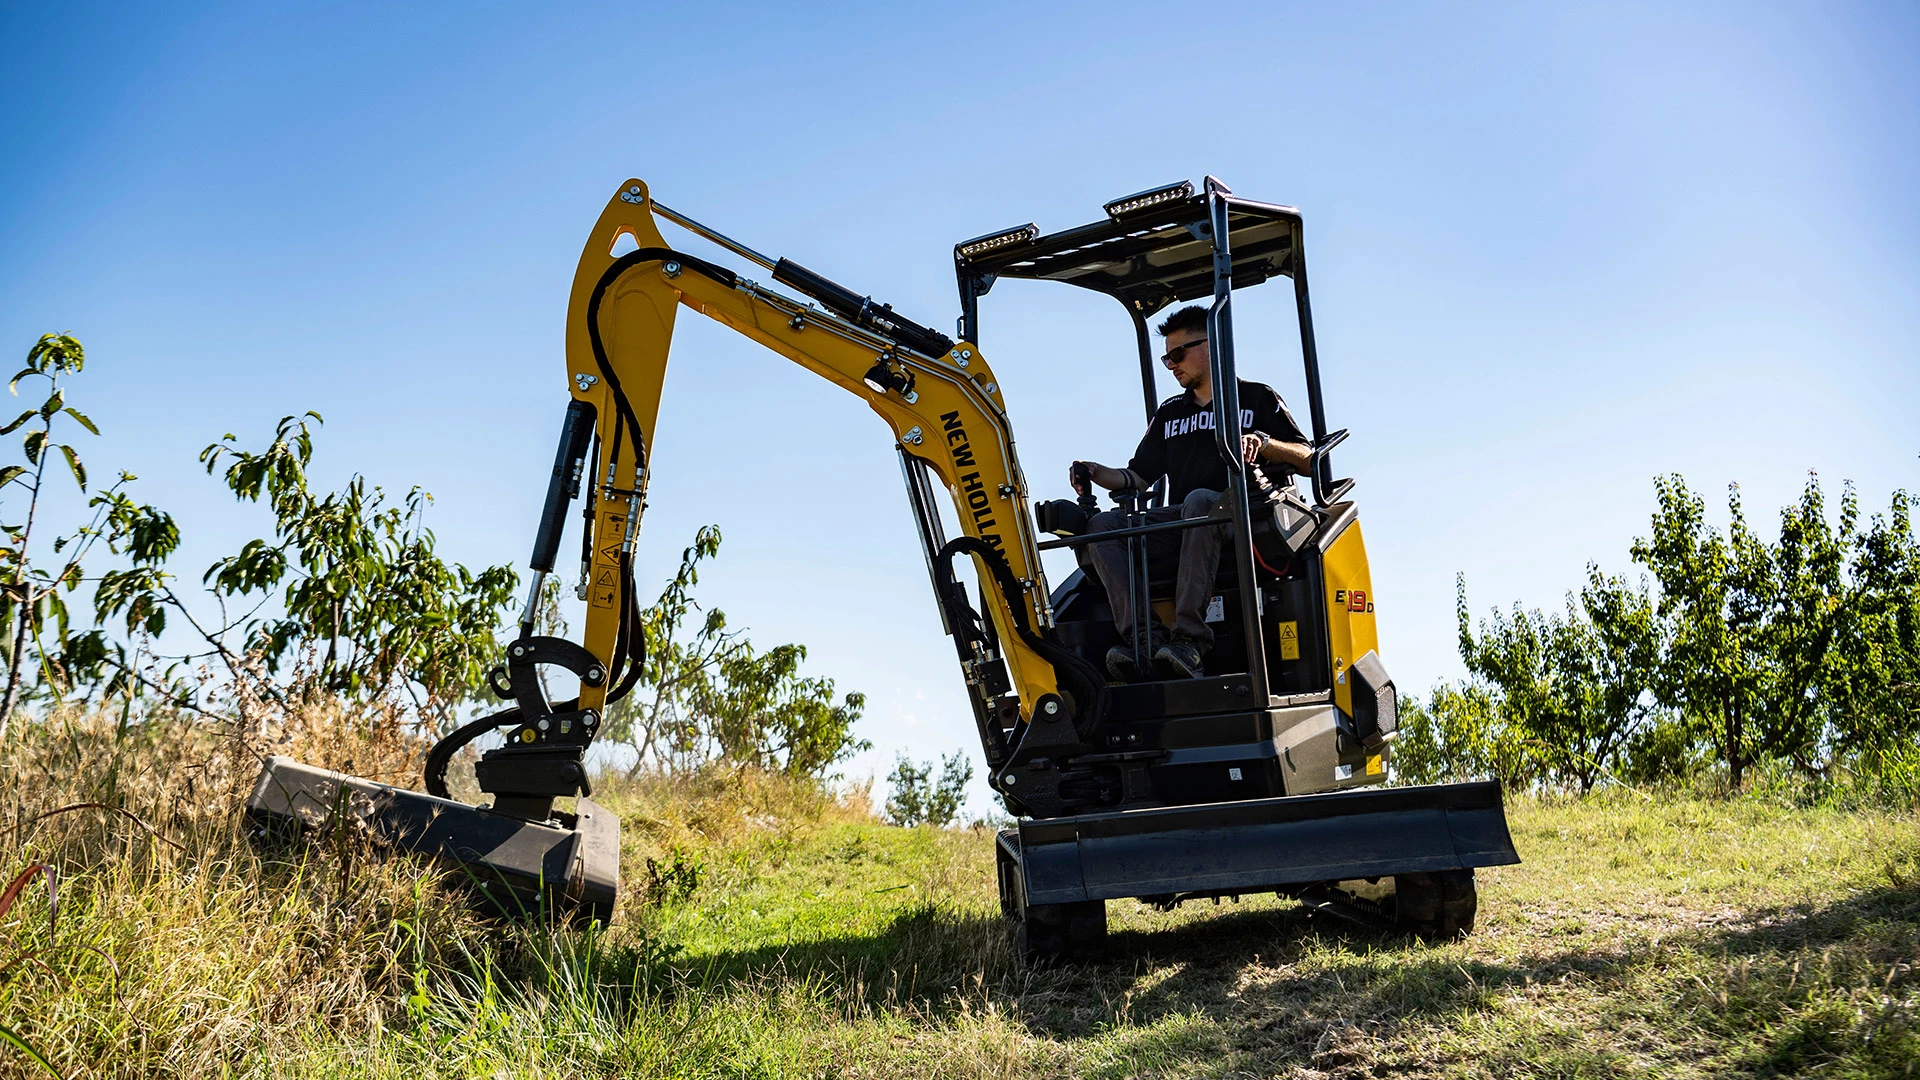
<point>946,410</point>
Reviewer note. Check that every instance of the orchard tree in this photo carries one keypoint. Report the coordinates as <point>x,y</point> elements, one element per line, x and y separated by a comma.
<point>32,607</point>
<point>706,693</point>
<point>346,577</point>
<point>917,797</point>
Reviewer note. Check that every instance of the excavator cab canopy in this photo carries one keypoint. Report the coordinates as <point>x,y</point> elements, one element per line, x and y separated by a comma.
<point>1154,249</point>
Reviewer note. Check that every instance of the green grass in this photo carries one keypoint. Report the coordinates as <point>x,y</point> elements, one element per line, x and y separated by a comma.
<point>783,934</point>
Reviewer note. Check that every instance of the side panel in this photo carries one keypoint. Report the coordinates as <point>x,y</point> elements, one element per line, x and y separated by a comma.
<point>1350,626</point>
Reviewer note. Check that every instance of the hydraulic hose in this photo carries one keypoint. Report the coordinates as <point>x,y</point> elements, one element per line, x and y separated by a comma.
<point>620,266</point>
<point>1092,687</point>
<point>630,649</point>
<point>442,753</point>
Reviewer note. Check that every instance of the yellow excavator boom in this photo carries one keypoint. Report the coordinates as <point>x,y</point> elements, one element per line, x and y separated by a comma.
<point>951,414</point>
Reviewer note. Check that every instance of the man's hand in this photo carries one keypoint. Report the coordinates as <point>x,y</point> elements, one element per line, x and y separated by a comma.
<point>1251,444</point>
<point>1081,473</point>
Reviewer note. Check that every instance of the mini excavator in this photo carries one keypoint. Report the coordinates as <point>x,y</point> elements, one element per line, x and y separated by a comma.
<point>1269,778</point>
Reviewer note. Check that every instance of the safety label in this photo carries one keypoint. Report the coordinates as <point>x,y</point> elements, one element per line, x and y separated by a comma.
<point>1289,641</point>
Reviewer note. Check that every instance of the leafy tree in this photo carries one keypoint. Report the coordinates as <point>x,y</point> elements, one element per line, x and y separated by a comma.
<point>916,797</point>
<point>660,726</point>
<point>1555,696</point>
<point>31,604</point>
<point>1870,697</point>
<point>758,708</point>
<point>345,577</point>
<point>1749,624</point>
<point>1453,737</point>
<point>713,695</point>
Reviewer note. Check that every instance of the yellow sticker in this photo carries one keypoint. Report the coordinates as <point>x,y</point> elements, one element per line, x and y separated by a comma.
<point>1289,641</point>
<point>1374,766</point>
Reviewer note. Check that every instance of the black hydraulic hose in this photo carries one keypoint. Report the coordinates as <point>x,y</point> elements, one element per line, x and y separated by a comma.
<point>620,266</point>
<point>632,633</point>
<point>1093,687</point>
<point>442,753</point>
<point>632,646</point>
<point>630,649</point>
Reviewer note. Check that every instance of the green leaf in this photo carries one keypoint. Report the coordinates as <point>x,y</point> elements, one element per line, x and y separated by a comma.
<point>73,463</point>
<point>79,418</point>
<point>17,421</point>
<point>20,1044</point>
<point>53,402</point>
<point>14,386</point>
<point>33,444</point>
<point>10,473</point>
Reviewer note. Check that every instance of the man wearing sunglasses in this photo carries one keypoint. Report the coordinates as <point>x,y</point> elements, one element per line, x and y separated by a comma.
<point>1179,445</point>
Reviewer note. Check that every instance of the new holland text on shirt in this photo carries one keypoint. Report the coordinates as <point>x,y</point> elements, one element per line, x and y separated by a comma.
<point>1203,422</point>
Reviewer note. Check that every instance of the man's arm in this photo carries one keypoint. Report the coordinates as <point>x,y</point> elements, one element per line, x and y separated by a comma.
<point>1149,464</point>
<point>1106,476</point>
<point>1280,440</point>
<point>1261,447</point>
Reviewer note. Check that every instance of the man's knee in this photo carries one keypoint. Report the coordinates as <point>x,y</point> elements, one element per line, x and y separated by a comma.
<point>1199,503</point>
<point>1107,521</point>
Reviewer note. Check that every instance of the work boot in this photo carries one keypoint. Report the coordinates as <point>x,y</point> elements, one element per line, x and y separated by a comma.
<point>1184,655</point>
<point>1120,665</point>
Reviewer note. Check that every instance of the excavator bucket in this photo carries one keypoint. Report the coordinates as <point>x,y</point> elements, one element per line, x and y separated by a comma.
<point>566,868</point>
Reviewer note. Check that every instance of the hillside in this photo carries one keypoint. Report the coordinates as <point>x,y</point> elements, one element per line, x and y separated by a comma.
<point>768,931</point>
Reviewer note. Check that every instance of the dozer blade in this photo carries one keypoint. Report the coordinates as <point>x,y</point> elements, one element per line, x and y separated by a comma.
<point>567,869</point>
<point>1264,844</point>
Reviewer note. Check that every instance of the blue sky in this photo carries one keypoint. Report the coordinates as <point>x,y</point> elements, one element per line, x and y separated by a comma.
<point>1557,249</point>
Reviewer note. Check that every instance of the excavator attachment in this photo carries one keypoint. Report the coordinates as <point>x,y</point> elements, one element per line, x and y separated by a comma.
<point>565,868</point>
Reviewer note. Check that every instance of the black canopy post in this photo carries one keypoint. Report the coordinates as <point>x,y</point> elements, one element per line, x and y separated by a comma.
<point>1226,431</point>
<point>1146,358</point>
<point>1323,468</point>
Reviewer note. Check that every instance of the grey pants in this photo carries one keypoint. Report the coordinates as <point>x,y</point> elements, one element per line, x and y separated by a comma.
<point>1198,551</point>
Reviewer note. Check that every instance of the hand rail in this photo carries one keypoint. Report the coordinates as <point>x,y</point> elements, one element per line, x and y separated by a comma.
<point>1137,530</point>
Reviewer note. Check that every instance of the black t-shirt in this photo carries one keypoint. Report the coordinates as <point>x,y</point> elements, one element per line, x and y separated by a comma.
<point>1179,441</point>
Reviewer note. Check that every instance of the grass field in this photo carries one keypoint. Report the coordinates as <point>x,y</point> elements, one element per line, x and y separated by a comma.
<point>767,931</point>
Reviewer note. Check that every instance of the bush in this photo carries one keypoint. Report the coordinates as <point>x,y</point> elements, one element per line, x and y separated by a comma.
<point>916,798</point>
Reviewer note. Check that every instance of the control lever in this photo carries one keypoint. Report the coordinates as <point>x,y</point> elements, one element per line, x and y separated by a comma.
<point>1082,476</point>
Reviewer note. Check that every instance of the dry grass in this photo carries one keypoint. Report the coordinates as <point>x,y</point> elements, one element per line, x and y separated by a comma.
<point>768,929</point>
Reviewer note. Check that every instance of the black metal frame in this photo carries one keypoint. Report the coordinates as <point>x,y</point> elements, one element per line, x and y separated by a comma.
<point>1176,251</point>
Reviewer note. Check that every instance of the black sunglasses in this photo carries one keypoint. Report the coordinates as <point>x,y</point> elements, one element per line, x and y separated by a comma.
<point>1174,355</point>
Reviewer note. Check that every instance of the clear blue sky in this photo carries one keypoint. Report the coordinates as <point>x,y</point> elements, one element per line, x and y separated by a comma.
<point>1557,249</point>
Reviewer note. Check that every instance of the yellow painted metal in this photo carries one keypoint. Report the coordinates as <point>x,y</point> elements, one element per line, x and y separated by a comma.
<point>1350,626</point>
<point>957,425</point>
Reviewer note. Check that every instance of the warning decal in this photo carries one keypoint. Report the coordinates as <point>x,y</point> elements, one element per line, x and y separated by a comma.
<point>1289,641</point>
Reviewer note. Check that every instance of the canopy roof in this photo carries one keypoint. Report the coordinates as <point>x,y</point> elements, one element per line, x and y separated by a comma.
<point>1147,259</point>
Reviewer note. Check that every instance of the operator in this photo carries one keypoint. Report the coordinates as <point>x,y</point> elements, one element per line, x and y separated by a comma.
<point>1179,445</point>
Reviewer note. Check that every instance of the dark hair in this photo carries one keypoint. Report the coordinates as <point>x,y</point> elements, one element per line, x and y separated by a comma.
<point>1191,317</point>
